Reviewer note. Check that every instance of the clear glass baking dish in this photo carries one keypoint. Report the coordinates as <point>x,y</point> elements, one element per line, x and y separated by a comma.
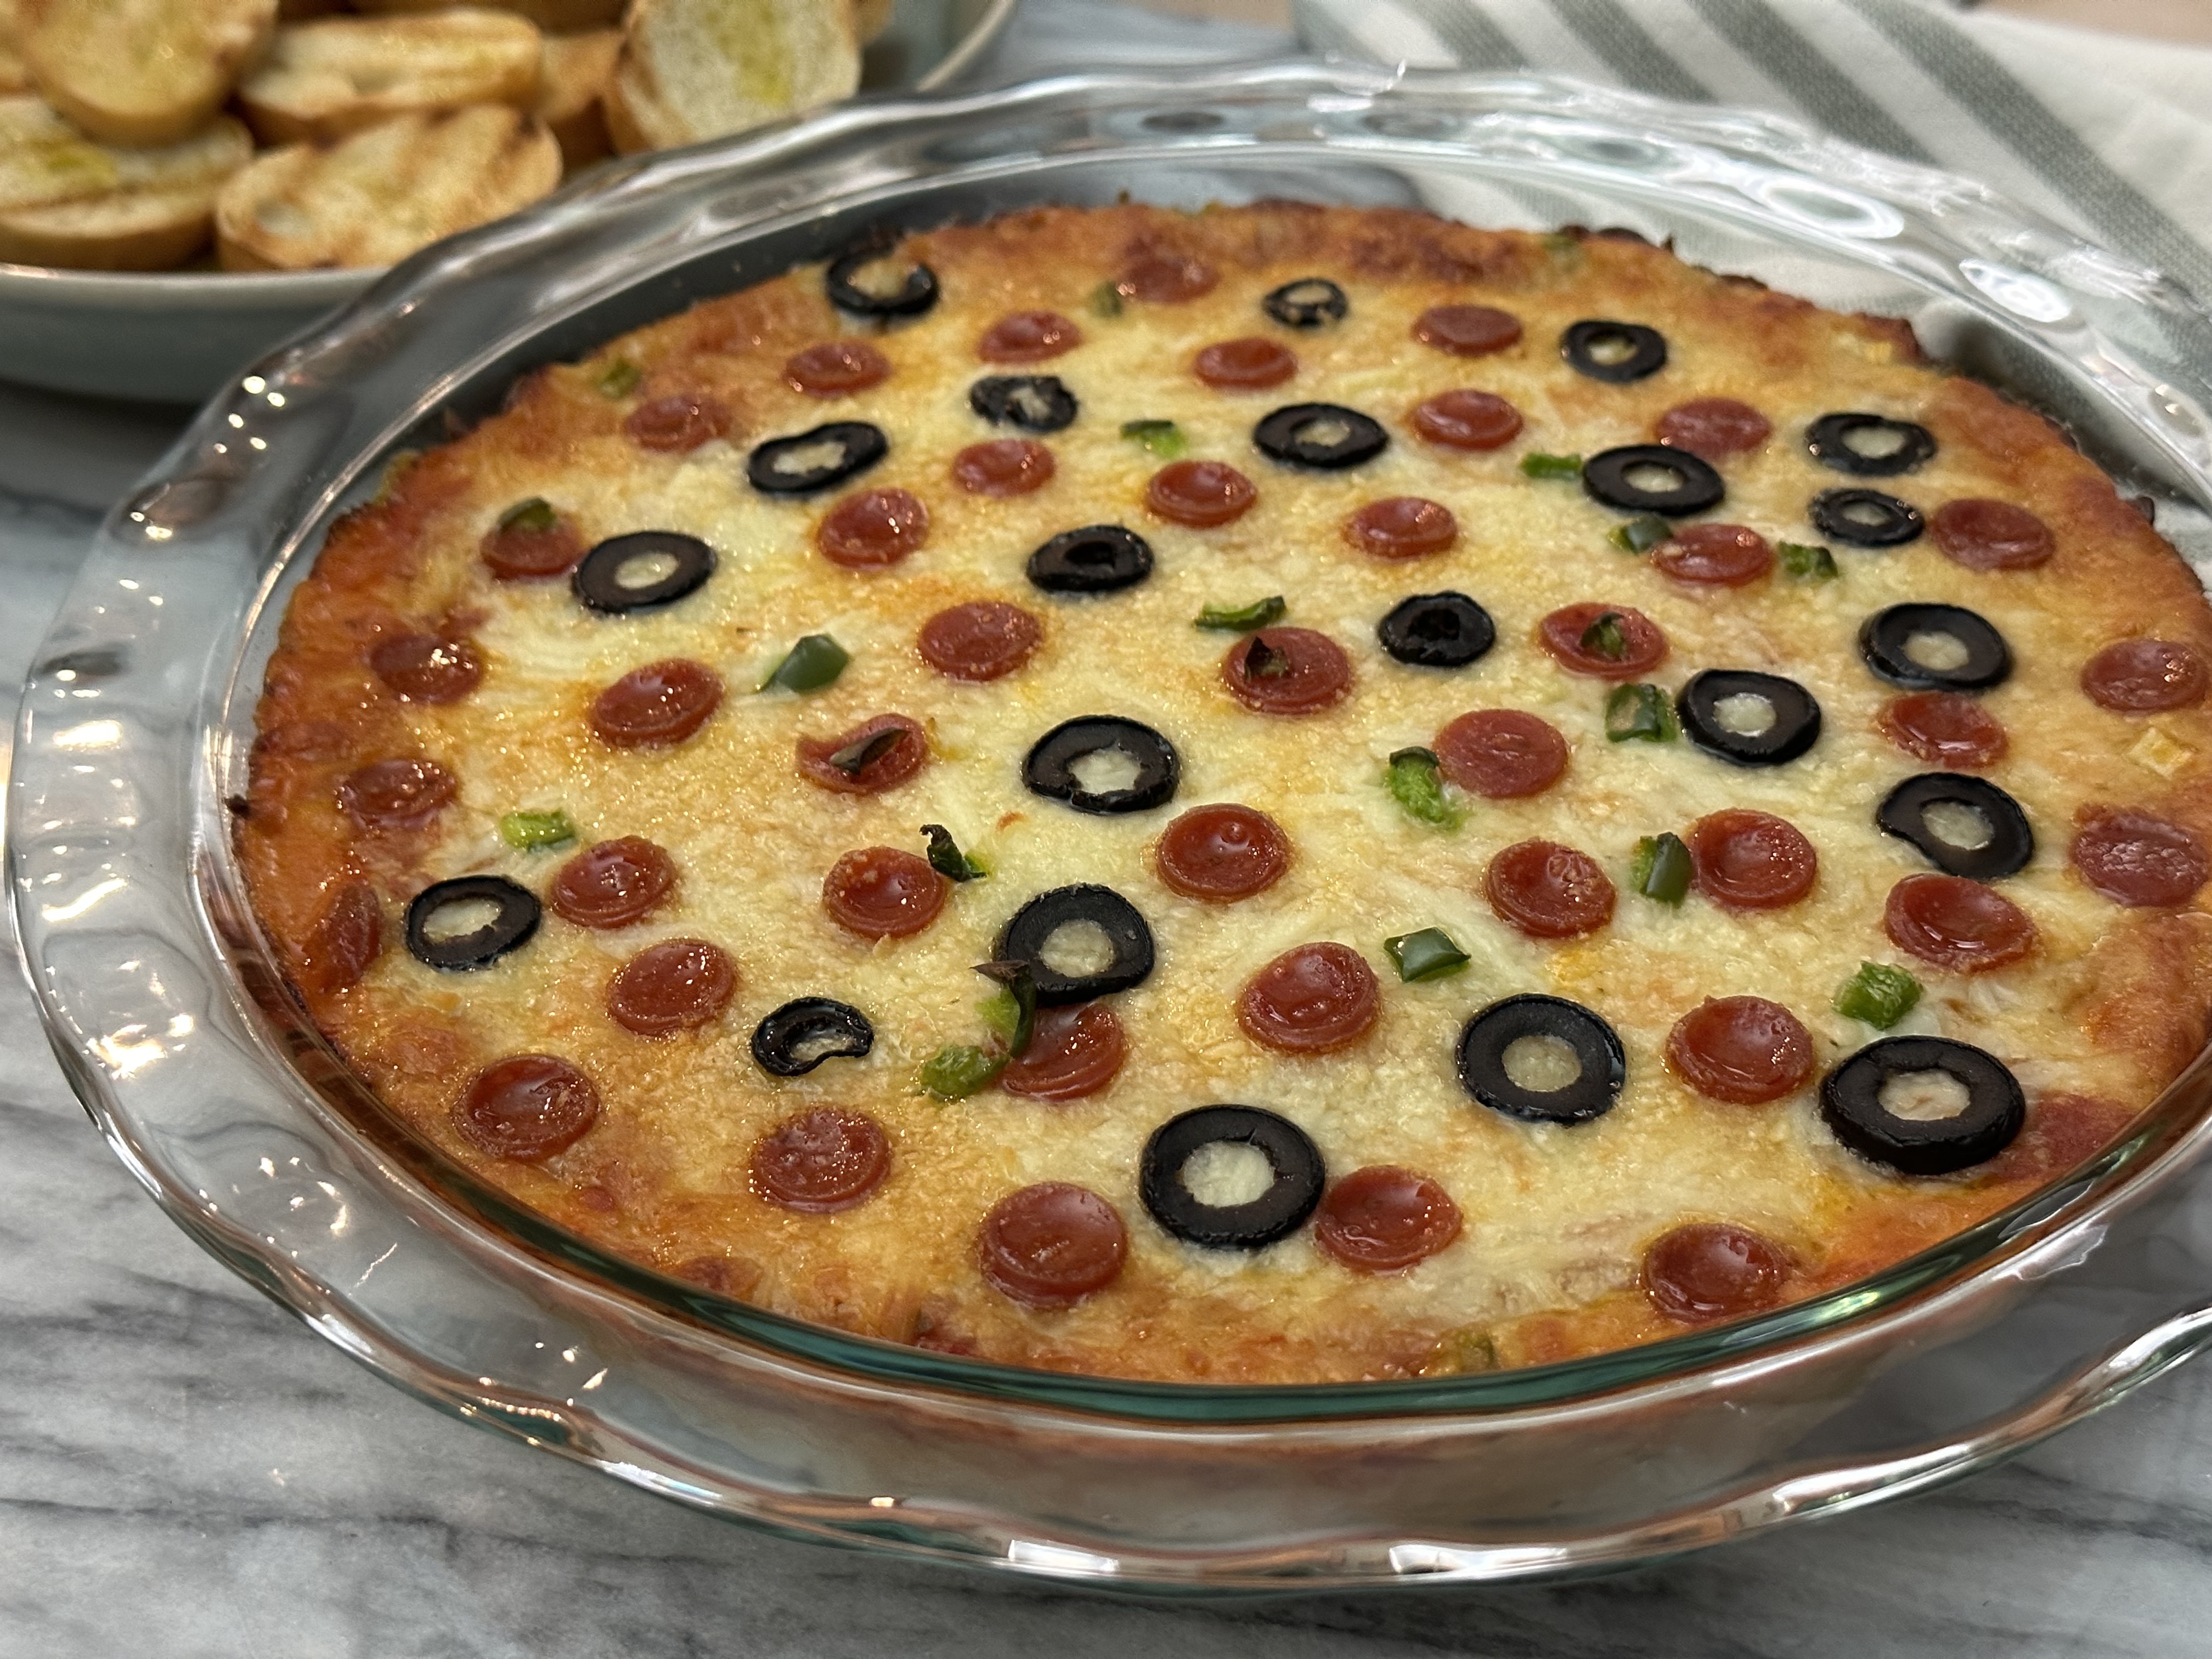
<point>162,1003</point>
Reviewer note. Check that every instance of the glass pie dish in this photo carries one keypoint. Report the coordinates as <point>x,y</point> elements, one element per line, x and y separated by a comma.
<point>162,1002</point>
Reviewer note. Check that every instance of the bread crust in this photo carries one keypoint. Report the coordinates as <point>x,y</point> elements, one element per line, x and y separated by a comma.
<point>141,71</point>
<point>67,201</point>
<point>789,57</point>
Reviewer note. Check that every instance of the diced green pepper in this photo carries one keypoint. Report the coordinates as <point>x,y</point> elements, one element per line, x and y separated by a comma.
<point>1263,662</point>
<point>1604,638</point>
<point>1429,954</point>
<point>1463,1351</point>
<point>813,663</point>
<point>1013,1012</point>
<point>856,758</point>
<point>1659,868</point>
<point>1879,994</point>
<point>959,1070</point>
<point>1807,562</point>
<point>1538,465</point>
<point>1162,438</point>
<point>946,858</point>
<point>534,515</point>
<point>619,378</point>
<point>1641,534</point>
<point>525,831</point>
<point>1417,785</point>
<point>1243,618</point>
<point>1106,301</point>
<point>1643,712</point>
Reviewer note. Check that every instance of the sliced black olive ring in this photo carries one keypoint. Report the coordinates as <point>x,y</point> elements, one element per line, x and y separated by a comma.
<point>597,582</point>
<point>1618,352</point>
<point>1099,558</point>
<point>1035,403</point>
<point>1309,303</point>
<point>1792,725</point>
<point>914,295</point>
<point>1851,1105</point>
<point>1887,637</point>
<point>1299,1176</point>
<point>1652,478</point>
<point>803,1033</point>
<point>812,460</point>
<point>2002,843</point>
<point>515,919</point>
<point>1596,1085</point>
<point>1049,768</point>
<point>1130,940</point>
<point>1829,439</point>
<point>1326,435</point>
<point>1866,518</point>
<point>1436,630</point>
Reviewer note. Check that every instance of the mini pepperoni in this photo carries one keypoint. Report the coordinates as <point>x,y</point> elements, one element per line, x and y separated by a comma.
<point>1165,278</point>
<point>1501,754</point>
<point>1401,527</point>
<point>873,529</point>
<point>1381,1218</point>
<point>1027,337</point>
<point>2137,859</point>
<point>837,367</point>
<point>396,794</point>
<point>890,767</point>
<point>1714,428</point>
<point>2062,1131</point>
<point>1467,330</point>
<point>1986,535</point>
<point>1709,1270</point>
<point>1643,648</point>
<point>2144,677</point>
<point>527,1106</point>
<point>1287,671</point>
<point>1748,860</point>
<point>982,639</point>
<point>1745,1050</point>
<point>1222,852</point>
<point>1956,923</point>
<point>1718,555</point>
<point>1547,890</point>
<point>1945,729</point>
<point>880,892</point>
<point>427,667</point>
<point>1003,466</point>
<point>1199,494</point>
<point>1251,364</point>
<point>674,986</point>
<point>518,552</point>
<point>678,423</point>
<point>1051,1245</point>
<point>1311,999</point>
<point>1467,419</point>
<point>612,883</point>
<point>1074,1051</point>
<point>659,704</point>
<point>345,939</point>
<point>821,1161</point>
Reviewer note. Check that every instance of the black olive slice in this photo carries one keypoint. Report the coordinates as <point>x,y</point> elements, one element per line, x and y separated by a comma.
<point>1025,936</point>
<point>1436,630</point>
<point>1792,724</point>
<point>1852,1107</point>
<point>1972,656</point>
<point>1308,302</point>
<point>515,919</point>
<point>1049,770</point>
<point>1483,1043</point>
<point>1866,518</point>
<point>1618,352</point>
<point>598,581</point>
<point>2003,843</point>
<point>802,1034</point>
<point>813,461</point>
<point>1652,478</point>
<point>1327,436</point>
<point>1035,403</point>
<point>1099,558</point>
<point>913,296</point>
<point>1276,1213</point>
<point>1830,439</point>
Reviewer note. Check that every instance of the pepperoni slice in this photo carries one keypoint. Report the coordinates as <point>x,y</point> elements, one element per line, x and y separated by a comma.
<point>1986,535</point>
<point>1222,852</point>
<point>880,892</point>
<point>982,639</point>
<point>396,794</point>
<point>1381,1218</point>
<point>1402,527</point>
<point>527,1106</point>
<point>1074,1051</point>
<point>1165,278</point>
<point>2137,859</point>
<point>1710,1270</point>
<point>1287,671</point>
<point>1467,419</point>
<point>1714,428</point>
<point>1643,648</point>
<point>427,667</point>
<point>1311,999</point>
<point>678,423</point>
<point>517,552</point>
<point>1717,554</point>
<point>886,768</point>
<point>1051,1245</point>
<point>1251,364</point>
<point>1027,337</point>
<point>613,883</point>
<point>1745,1050</point>
<point>659,704</point>
<point>837,367</point>
<point>1501,754</point>
<point>2062,1131</point>
<point>1945,729</point>
<point>1003,466</point>
<point>1467,330</point>
<point>1200,494</point>
<point>821,1161</point>
<point>675,985</point>
<point>1547,890</point>
<point>1957,924</point>
<point>873,529</point>
<point>2144,677</point>
<point>1748,860</point>
<point>344,941</point>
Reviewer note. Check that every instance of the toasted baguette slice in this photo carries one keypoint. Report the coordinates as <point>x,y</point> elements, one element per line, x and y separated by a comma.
<point>141,71</point>
<point>324,80</point>
<point>380,194</point>
<point>554,17</point>
<point>872,17</point>
<point>695,69</point>
<point>578,68</point>
<point>299,11</point>
<point>65,200</point>
<point>14,74</point>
